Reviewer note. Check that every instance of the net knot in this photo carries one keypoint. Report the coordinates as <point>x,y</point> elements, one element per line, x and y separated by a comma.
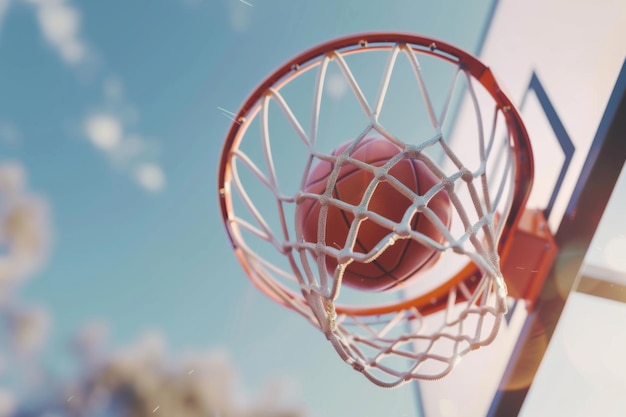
<point>448,185</point>
<point>344,256</point>
<point>419,202</point>
<point>380,173</point>
<point>466,175</point>
<point>358,367</point>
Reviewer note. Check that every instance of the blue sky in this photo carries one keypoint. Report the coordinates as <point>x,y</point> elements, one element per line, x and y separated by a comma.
<point>111,107</point>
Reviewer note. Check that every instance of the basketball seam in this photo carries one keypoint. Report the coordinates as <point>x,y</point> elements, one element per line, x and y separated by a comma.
<point>415,226</point>
<point>384,272</point>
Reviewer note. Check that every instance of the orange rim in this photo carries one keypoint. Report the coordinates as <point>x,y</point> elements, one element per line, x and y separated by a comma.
<point>434,300</point>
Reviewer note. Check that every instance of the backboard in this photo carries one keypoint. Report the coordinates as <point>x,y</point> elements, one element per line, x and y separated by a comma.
<point>563,65</point>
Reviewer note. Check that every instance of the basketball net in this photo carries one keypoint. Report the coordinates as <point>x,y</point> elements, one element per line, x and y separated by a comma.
<point>294,119</point>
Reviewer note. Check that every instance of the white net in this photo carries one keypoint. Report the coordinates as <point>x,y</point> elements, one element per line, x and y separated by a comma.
<point>423,326</point>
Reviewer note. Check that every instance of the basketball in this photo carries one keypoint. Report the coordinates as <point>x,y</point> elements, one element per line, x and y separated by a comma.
<point>403,260</point>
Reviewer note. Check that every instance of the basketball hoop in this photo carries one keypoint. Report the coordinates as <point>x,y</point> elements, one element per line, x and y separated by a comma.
<point>295,119</point>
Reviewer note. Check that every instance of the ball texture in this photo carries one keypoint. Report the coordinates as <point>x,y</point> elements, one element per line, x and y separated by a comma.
<point>406,257</point>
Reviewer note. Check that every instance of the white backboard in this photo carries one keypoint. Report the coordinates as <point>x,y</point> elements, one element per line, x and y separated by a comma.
<point>562,64</point>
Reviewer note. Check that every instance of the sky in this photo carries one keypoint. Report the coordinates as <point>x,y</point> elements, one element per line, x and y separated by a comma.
<point>111,110</point>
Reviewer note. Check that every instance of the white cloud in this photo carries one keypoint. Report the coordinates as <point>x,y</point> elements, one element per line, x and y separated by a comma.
<point>60,26</point>
<point>104,131</point>
<point>150,176</point>
<point>126,152</point>
<point>60,22</point>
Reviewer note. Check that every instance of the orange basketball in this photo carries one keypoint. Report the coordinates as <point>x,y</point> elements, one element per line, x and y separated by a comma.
<point>406,257</point>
